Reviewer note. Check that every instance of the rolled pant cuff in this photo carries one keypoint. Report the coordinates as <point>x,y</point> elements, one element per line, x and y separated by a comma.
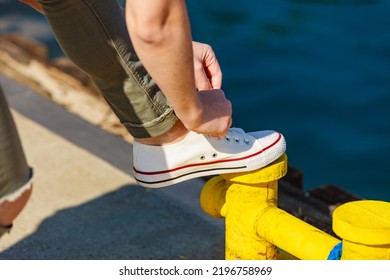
<point>154,128</point>
<point>17,193</point>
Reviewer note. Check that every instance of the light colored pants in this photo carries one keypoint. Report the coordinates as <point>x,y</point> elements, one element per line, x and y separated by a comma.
<point>93,34</point>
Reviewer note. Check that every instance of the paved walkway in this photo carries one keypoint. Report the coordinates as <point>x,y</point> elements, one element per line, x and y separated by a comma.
<point>85,203</point>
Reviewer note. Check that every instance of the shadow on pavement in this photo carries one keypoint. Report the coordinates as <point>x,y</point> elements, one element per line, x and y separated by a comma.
<point>130,223</point>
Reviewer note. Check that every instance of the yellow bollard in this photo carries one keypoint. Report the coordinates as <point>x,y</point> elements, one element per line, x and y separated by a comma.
<point>364,227</point>
<point>246,193</point>
<point>255,227</point>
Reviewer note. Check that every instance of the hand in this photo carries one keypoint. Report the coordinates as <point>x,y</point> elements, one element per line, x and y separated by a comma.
<point>215,118</point>
<point>208,74</point>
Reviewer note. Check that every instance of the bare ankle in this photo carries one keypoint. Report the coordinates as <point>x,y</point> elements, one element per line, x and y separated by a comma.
<point>9,210</point>
<point>175,134</point>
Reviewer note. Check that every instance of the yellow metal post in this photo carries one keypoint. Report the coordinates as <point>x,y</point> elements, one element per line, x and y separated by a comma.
<point>255,227</point>
<point>294,236</point>
<point>364,227</point>
<point>247,195</point>
<point>239,197</point>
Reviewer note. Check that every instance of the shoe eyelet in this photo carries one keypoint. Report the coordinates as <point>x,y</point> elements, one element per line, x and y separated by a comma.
<point>202,157</point>
<point>237,140</point>
<point>214,155</point>
<point>227,138</point>
<point>246,141</point>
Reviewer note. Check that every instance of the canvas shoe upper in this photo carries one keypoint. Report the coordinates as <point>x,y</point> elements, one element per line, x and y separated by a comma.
<point>199,155</point>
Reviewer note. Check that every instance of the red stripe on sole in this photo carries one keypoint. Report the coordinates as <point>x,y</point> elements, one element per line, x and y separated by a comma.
<point>208,163</point>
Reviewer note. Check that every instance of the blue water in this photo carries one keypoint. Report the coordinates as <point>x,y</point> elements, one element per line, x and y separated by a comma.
<point>316,70</point>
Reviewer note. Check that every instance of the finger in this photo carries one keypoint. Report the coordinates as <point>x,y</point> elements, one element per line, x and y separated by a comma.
<point>202,82</point>
<point>213,69</point>
<point>214,74</point>
<point>225,132</point>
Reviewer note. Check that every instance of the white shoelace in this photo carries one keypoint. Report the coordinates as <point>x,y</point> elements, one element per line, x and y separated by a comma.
<point>237,134</point>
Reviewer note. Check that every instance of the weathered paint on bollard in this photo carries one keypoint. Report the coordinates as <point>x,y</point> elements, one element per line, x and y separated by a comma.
<point>255,227</point>
<point>213,196</point>
<point>364,227</point>
<point>294,236</point>
<point>246,195</point>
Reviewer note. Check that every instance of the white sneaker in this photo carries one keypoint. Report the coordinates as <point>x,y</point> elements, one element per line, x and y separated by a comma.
<point>199,155</point>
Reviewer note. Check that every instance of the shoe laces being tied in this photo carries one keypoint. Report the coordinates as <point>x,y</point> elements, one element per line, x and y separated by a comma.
<point>237,135</point>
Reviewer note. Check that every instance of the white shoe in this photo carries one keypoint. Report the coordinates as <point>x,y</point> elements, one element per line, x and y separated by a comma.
<point>199,155</point>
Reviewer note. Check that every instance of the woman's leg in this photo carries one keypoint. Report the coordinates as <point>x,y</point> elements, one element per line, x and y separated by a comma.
<point>15,174</point>
<point>93,34</point>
